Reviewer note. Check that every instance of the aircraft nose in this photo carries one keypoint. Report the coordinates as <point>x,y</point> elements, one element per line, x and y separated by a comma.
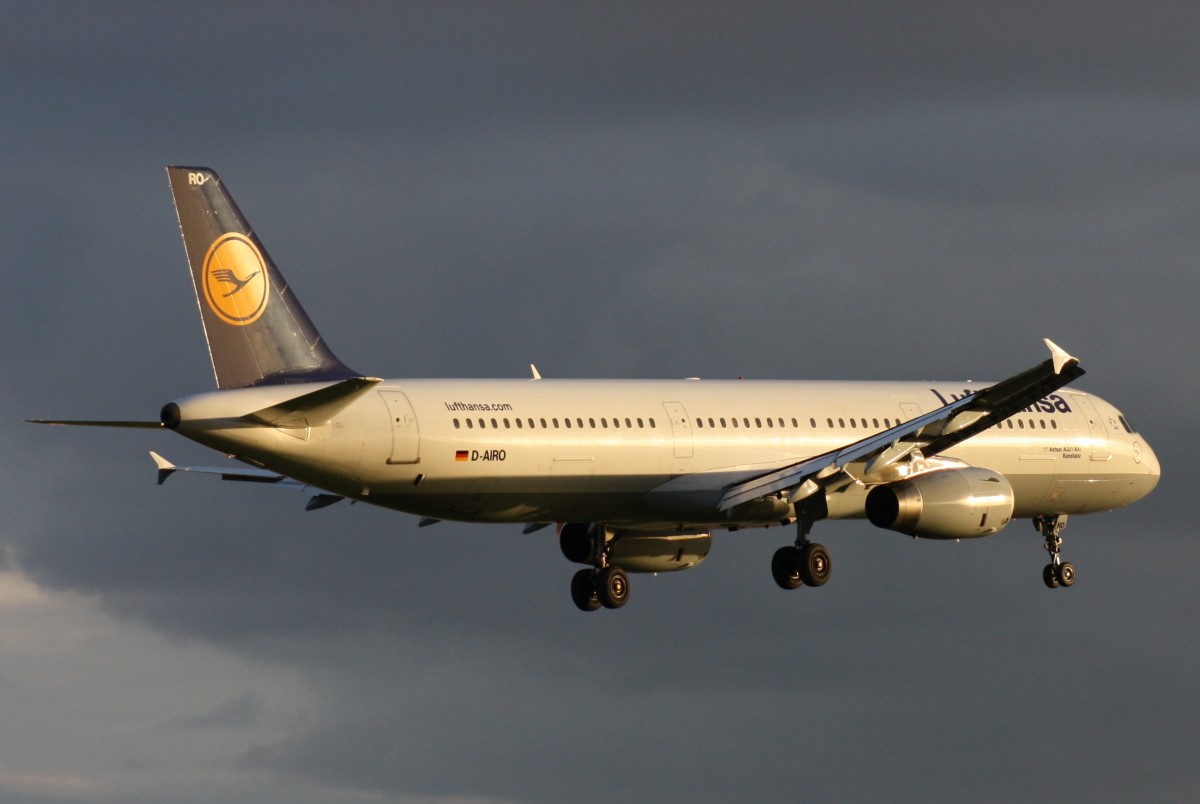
<point>1144,457</point>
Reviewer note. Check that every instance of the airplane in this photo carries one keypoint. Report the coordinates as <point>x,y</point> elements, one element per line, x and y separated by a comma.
<point>637,475</point>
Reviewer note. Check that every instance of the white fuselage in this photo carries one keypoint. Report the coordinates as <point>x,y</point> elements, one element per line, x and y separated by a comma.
<point>652,454</point>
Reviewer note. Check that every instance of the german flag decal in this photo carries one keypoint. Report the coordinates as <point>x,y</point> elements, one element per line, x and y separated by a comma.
<point>462,455</point>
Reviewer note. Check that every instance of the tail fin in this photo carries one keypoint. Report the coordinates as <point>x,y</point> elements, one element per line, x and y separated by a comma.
<point>258,334</point>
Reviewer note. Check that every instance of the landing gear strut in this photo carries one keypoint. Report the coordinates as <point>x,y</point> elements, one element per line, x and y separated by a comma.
<point>1058,572</point>
<point>603,586</point>
<point>805,563</point>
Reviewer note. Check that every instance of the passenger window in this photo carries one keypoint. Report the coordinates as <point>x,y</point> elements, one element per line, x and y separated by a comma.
<point>758,423</point>
<point>812,423</point>
<point>734,422</point>
<point>456,427</point>
<point>519,423</point>
<point>640,424</point>
<point>555,421</point>
<point>710,422</point>
<point>482,424</point>
<point>746,422</point>
<point>616,423</point>
<point>567,422</point>
<point>1053,424</point>
<point>604,422</point>
<point>506,426</point>
<point>470,425</point>
<point>770,423</point>
<point>829,423</point>
<point>853,424</point>
<point>842,423</point>
<point>875,423</point>
<point>531,424</point>
<point>592,423</point>
<point>494,425</point>
<point>722,422</point>
<point>542,422</point>
<point>699,423</point>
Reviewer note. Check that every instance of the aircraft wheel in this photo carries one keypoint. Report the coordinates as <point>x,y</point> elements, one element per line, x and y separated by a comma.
<point>1066,574</point>
<point>814,564</point>
<point>612,586</point>
<point>1050,577</point>
<point>785,568</point>
<point>583,590</point>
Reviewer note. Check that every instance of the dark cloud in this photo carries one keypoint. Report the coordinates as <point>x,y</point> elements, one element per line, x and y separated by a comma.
<point>675,190</point>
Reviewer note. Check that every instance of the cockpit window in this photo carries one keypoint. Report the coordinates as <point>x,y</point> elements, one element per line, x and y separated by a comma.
<point>1125,424</point>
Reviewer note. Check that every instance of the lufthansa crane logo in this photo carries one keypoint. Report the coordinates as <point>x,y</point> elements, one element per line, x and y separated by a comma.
<point>236,284</point>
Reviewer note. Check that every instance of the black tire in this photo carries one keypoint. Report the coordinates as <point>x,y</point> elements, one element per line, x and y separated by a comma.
<point>814,565</point>
<point>1050,577</point>
<point>583,590</point>
<point>785,568</point>
<point>1066,574</point>
<point>612,585</point>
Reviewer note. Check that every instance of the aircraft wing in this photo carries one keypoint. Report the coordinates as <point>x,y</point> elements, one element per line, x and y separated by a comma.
<point>930,433</point>
<point>317,497</point>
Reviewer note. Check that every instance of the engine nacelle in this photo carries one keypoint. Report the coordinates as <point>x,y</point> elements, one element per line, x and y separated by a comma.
<point>635,552</point>
<point>945,504</point>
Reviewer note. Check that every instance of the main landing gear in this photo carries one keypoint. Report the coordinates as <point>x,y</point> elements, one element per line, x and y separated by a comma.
<point>603,586</point>
<point>1058,572</point>
<point>591,589</point>
<point>805,563</point>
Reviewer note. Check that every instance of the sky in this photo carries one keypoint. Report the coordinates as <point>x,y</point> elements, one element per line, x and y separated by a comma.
<point>819,190</point>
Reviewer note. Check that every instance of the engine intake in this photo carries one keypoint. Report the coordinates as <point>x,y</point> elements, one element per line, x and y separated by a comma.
<point>945,504</point>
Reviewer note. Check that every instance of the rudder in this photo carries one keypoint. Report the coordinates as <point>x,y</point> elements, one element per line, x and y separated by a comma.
<point>257,332</point>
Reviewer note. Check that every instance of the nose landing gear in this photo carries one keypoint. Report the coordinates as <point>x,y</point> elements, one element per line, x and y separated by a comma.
<point>1058,572</point>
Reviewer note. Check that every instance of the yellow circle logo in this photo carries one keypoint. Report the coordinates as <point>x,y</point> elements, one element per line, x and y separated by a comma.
<point>235,279</point>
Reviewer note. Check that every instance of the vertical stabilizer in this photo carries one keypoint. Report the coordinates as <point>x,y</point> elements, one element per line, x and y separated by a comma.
<point>258,334</point>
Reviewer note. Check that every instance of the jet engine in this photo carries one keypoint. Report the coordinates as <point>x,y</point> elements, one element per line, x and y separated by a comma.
<point>636,552</point>
<point>944,504</point>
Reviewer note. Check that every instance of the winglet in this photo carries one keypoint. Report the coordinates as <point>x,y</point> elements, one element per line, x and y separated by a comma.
<point>1059,356</point>
<point>536,374</point>
<point>165,467</point>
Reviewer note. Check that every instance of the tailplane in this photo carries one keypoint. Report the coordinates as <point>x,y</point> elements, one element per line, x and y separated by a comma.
<point>258,334</point>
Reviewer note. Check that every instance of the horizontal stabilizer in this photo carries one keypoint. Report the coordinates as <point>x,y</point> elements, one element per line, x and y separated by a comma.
<point>313,408</point>
<point>244,473</point>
